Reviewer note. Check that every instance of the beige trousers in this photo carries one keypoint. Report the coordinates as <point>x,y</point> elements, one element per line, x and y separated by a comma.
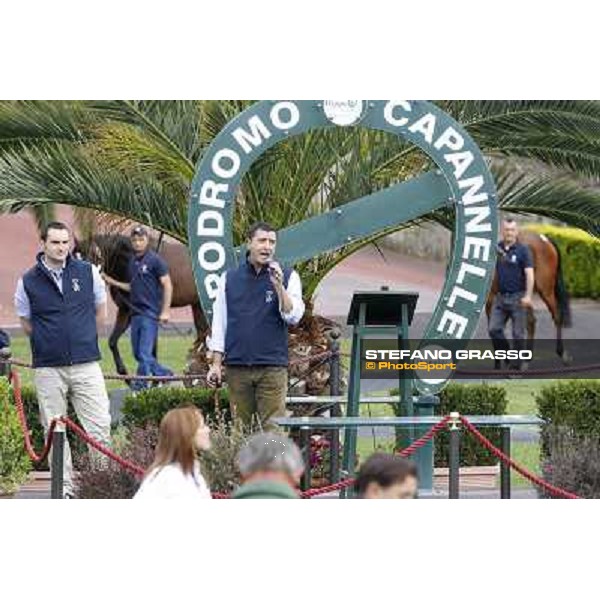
<point>84,386</point>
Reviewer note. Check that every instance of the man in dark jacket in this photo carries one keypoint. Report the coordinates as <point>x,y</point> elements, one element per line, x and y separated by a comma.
<point>255,304</point>
<point>60,302</point>
<point>150,291</point>
<point>271,466</point>
<point>516,280</point>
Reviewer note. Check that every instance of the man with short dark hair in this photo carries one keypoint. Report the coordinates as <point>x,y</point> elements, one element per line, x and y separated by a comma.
<point>150,291</point>
<point>60,302</point>
<point>387,477</point>
<point>514,270</point>
<point>255,304</point>
<point>271,466</point>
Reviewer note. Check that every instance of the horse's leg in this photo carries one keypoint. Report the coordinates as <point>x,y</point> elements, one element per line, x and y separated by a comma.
<point>121,324</point>
<point>550,300</point>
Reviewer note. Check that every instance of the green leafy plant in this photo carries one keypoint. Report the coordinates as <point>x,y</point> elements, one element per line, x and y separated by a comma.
<point>573,405</point>
<point>149,406</point>
<point>572,462</point>
<point>580,255</point>
<point>14,462</point>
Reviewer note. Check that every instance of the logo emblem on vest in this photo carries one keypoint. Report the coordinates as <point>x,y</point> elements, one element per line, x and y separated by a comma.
<point>76,286</point>
<point>269,296</point>
<point>144,269</point>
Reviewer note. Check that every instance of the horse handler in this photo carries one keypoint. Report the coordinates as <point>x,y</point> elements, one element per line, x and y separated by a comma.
<point>514,269</point>
<point>60,303</point>
<point>255,304</point>
<point>151,292</point>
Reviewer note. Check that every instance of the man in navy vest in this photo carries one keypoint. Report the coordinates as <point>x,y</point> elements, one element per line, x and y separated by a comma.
<point>255,304</point>
<point>514,270</point>
<point>150,291</point>
<point>60,303</point>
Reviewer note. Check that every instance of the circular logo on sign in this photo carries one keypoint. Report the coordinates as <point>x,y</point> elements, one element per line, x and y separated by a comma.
<point>344,112</point>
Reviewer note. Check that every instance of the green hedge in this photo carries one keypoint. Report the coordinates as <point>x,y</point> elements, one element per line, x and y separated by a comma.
<point>149,406</point>
<point>469,399</point>
<point>572,404</point>
<point>580,255</point>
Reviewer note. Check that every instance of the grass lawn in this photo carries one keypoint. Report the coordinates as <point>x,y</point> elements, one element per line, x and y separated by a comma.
<point>172,352</point>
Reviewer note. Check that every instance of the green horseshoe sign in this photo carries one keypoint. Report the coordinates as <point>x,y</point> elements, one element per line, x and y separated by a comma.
<point>462,180</point>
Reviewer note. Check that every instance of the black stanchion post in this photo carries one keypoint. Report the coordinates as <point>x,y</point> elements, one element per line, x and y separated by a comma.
<point>505,468</point>
<point>454,458</point>
<point>305,443</point>
<point>58,463</point>
<point>334,390</point>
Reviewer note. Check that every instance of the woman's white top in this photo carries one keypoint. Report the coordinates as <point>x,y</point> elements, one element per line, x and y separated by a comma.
<point>171,483</point>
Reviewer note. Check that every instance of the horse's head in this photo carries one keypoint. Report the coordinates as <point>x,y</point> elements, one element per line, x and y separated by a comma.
<point>88,250</point>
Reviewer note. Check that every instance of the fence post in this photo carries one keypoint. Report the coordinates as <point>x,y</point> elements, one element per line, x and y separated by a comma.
<point>505,468</point>
<point>305,445</point>
<point>454,457</point>
<point>334,390</point>
<point>424,407</point>
<point>58,464</point>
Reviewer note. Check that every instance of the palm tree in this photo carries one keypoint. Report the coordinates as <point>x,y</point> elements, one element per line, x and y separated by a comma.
<point>136,159</point>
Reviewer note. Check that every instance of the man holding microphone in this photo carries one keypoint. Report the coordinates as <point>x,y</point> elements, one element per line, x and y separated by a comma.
<point>255,304</point>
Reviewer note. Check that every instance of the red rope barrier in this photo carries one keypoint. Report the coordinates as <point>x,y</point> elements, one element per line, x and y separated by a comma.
<point>139,471</point>
<point>16,385</point>
<point>408,451</point>
<point>509,461</point>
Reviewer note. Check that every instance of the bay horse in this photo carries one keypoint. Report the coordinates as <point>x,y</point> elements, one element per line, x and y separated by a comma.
<point>549,284</point>
<point>113,252</point>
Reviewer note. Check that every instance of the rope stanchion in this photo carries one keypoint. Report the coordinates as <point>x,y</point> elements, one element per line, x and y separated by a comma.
<point>538,481</point>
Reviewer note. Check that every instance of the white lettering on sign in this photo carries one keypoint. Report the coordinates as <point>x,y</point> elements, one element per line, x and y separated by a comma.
<point>226,163</point>
<point>391,109</point>
<point>248,140</point>
<point>211,247</point>
<point>210,222</point>
<point>285,109</point>
<point>209,193</point>
<point>435,136</point>
<point>453,324</point>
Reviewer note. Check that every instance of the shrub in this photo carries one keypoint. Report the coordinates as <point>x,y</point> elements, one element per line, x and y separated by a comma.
<point>571,404</point>
<point>149,406</point>
<point>14,462</point>
<point>469,399</point>
<point>572,462</point>
<point>219,465</point>
<point>580,255</point>
<point>110,480</point>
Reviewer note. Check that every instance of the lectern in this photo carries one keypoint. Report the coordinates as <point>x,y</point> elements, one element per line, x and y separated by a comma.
<point>383,313</point>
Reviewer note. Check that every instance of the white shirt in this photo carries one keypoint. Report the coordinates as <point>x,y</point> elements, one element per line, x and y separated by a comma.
<point>216,342</point>
<point>171,483</point>
<point>23,306</point>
